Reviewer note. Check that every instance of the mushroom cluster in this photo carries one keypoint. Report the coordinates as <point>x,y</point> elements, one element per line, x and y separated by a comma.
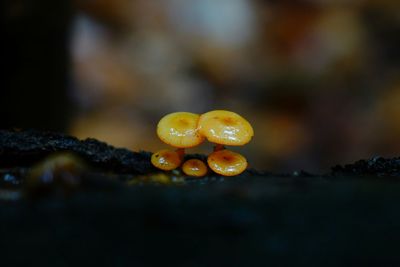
<point>183,130</point>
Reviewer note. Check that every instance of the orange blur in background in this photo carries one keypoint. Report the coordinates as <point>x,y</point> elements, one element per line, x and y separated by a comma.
<point>319,80</point>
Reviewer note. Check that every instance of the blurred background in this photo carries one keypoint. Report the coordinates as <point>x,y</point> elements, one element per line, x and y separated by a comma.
<point>318,79</point>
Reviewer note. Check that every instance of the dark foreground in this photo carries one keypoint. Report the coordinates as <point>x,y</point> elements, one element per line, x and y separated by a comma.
<point>347,217</point>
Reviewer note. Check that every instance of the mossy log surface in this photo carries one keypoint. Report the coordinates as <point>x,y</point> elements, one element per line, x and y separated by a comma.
<point>347,217</point>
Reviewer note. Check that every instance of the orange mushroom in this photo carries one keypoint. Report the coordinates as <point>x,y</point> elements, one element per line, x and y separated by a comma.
<point>226,162</point>
<point>180,129</point>
<point>225,128</point>
<point>194,167</point>
<point>184,130</point>
<point>166,160</point>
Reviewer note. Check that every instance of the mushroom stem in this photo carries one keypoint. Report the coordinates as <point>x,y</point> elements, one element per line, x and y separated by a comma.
<point>181,152</point>
<point>218,147</point>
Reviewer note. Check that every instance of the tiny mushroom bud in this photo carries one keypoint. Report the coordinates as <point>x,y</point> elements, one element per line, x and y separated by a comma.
<point>194,167</point>
<point>180,129</point>
<point>227,163</point>
<point>58,174</point>
<point>166,160</point>
<point>225,128</point>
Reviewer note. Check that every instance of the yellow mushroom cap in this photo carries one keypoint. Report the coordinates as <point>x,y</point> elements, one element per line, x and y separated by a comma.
<point>227,163</point>
<point>180,129</point>
<point>225,128</point>
<point>166,160</point>
<point>194,167</point>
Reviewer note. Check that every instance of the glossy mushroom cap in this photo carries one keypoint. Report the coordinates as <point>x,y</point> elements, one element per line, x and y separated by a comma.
<point>180,129</point>
<point>194,167</point>
<point>225,128</point>
<point>166,160</point>
<point>227,163</point>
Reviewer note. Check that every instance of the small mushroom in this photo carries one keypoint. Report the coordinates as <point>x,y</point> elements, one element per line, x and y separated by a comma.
<point>185,130</point>
<point>226,162</point>
<point>194,167</point>
<point>225,128</point>
<point>180,130</point>
<point>166,159</point>
<point>59,174</point>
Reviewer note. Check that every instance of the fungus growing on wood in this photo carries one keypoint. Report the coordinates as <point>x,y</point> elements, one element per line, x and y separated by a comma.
<point>180,130</point>
<point>166,159</point>
<point>222,128</point>
<point>226,162</point>
<point>194,167</point>
<point>225,128</point>
<point>185,130</point>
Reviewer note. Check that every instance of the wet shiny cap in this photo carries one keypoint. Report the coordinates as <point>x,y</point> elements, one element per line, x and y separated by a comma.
<point>166,160</point>
<point>180,129</point>
<point>227,163</point>
<point>194,167</point>
<point>225,127</point>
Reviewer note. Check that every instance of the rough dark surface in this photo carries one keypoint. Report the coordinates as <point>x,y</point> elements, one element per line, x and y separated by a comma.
<point>376,166</point>
<point>256,219</point>
<point>28,147</point>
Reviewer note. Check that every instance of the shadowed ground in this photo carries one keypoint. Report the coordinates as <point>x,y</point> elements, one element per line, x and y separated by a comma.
<point>252,220</point>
